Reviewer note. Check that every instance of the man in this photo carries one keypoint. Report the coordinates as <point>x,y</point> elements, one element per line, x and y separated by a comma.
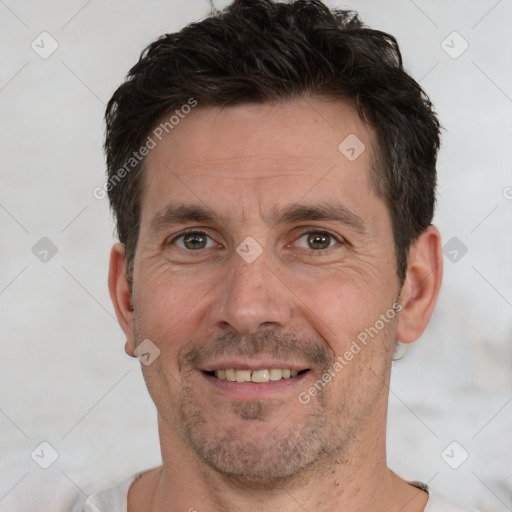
<point>272,173</point>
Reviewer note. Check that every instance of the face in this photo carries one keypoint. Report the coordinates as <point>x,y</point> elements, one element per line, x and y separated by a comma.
<point>263,255</point>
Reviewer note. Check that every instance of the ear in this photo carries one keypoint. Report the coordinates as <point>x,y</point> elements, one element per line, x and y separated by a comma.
<point>121,296</point>
<point>422,284</point>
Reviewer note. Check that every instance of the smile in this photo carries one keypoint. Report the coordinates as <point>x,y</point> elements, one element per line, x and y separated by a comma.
<point>257,376</point>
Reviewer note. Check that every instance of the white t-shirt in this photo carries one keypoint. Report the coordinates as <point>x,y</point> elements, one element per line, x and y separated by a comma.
<point>115,499</point>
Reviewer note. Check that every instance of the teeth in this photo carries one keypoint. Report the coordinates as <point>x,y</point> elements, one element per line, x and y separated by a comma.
<point>266,375</point>
<point>243,376</point>
<point>260,376</point>
<point>275,374</point>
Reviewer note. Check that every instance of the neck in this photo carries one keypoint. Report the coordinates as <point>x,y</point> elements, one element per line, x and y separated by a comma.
<point>358,481</point>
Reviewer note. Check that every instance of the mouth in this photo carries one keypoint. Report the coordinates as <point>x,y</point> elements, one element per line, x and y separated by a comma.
<point>256,378</point>
<point>259,376</point>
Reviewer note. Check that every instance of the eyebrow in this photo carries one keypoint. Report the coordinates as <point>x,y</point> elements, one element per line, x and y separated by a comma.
<point>177,214</point>
<point>173,215</point>
<point>334,212</point>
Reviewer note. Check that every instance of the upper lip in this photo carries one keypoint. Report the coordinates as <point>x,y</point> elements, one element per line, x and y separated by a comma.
<point>244,364</point>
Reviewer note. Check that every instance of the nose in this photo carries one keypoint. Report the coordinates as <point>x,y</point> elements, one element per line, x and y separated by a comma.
<point>252,297</point>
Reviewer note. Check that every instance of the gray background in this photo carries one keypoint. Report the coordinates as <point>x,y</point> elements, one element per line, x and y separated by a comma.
<point>64,376</point>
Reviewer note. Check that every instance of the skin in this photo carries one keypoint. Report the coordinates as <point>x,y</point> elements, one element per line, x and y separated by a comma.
<point>299,304</point>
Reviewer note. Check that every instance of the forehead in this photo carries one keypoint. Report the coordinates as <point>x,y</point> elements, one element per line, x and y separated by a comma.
<point>308,147</point>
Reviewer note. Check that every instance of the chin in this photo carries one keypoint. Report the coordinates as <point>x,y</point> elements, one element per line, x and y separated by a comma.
<point>253,449</point>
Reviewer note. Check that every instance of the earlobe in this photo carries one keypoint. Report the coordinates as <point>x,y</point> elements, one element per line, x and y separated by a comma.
<point>121,296</point>
<point>421,288</point>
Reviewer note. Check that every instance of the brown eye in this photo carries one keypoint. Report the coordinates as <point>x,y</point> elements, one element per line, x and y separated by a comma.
<point>193,241</point>
<point>317,240</point>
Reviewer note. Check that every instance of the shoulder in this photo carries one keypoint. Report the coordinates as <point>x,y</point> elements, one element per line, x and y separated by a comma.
<point>112,499</point>
<point>438,503</point>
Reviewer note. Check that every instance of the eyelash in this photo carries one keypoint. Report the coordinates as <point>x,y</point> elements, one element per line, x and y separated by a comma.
<point>308,232</point>
<point>324,233</point>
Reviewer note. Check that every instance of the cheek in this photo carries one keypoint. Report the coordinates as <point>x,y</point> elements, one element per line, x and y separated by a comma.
<point>168,309</point>
<point>345,304</point>
<point>168,295</point>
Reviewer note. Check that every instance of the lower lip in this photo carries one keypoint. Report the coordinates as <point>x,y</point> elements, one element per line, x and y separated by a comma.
<point>255,391</point>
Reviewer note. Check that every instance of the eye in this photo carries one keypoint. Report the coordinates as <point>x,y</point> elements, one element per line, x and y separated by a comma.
<point>317,240</point>
<point>193,241</point>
